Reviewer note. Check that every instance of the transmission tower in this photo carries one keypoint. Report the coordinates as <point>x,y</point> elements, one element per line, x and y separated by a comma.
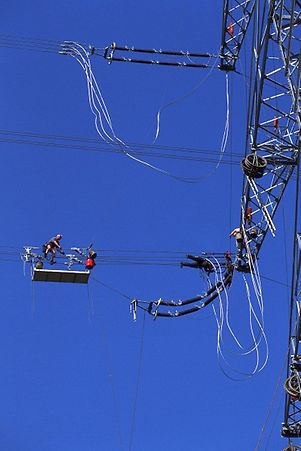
<point>272,150</point>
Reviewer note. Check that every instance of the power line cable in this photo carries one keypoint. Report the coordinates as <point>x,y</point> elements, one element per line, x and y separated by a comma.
<point>138,382</point>
<point>270,407</point>
<point>109,287</point>
<point>193,150</point>
<point>102,120</point>
<point>108,358</point>
<point>194,154</point>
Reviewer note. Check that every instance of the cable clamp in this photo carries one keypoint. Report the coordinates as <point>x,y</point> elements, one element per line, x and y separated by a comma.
<point>133,308</point>
<point>155,313</point>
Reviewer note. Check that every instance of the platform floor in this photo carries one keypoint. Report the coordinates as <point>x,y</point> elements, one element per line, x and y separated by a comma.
<point>52,275</point>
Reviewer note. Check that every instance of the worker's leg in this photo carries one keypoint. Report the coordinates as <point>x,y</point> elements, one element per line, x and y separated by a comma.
<point>47,251</point>
<point>52,260</point>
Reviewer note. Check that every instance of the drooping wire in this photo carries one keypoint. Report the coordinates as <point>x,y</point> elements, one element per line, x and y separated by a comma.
<point>222,319</point>
<point>102,120</point>
<point>86,140</point>
<point>218,272</point>
<point>27,43</point>
<point>253,264</point>
<point>138,381</point>
<point>33,302</point>
<point>227,121</point>
<point>109,287</point>
<point>189,154</point>
<point>226,302</point>
<point>90,304</point>
<point>222,359</point>
<point>153,151</point>
<point>270,407</point>
<point>180,99</point>
<point>107,355</point>
<point>251,325</point>
<point>94,95</point>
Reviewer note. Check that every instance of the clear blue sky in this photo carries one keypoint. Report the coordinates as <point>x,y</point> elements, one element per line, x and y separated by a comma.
<point>68,379</point>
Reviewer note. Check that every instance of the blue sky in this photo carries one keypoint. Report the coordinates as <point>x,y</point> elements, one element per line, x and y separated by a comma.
<point>71,357</point>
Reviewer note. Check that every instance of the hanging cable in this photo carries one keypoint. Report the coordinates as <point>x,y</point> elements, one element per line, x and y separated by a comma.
<point>138,381</point>
<point>270,407</point>
<point>112,289</point>
<point>100,111</point>
<point>180,99</point>
<point>222,319</point>
<point>227,305</point>
<point>110,376</point>
<point>27,43</point>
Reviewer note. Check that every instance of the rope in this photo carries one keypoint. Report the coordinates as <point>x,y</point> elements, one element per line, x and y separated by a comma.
<point>90,304</point>
<point>112,288</point>
<point>103,337</point>
<point>33,301</point>
<point>269,410</point>
<point>137,383</point>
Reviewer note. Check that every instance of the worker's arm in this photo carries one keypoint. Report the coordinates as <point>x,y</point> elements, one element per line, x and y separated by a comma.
<point>58,247</point>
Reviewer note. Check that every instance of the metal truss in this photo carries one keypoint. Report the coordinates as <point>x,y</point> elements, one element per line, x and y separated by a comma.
<point>274,124</point>
<point>236,18</point>
<point>291,427</point>
<point>115,52</point>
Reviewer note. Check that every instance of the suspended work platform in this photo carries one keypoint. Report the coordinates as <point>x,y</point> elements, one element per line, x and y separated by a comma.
<point>51,275</point>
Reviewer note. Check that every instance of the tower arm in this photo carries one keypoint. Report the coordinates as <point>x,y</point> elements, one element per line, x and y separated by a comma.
<point>236,19</point>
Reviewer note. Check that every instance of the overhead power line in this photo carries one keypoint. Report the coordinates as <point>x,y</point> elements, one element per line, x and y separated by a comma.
<point>191,154</point>
<point>28,43</point>
<point>183,153</point>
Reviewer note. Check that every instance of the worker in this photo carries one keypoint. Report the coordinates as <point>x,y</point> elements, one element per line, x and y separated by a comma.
<point>51,247</point>
<point>198,262</point>
<point>228,257</point>
<point>237,234</point>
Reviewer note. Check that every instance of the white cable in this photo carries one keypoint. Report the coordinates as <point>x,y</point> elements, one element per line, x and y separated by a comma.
<point>220,322</point>
<point>231,331</point>
<point>227,305</point>
<point>180,98</point>
<point>252,313</point>
<point>220,319</point>
<point>227,123</point>
<point>251,325</point>
<point>253,270</point>
<point>256,281</point>
<point>94,92</point>
<point>221,355</point>
<point>187,179</point>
